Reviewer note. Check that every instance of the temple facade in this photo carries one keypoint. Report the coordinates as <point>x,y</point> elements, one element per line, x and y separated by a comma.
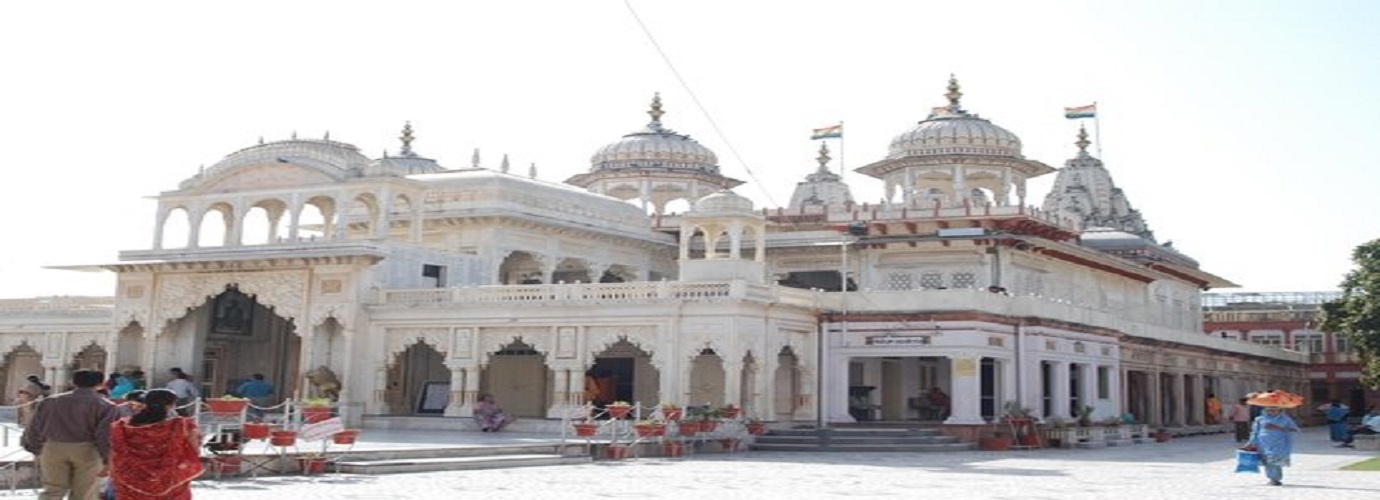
<point>420,286</point>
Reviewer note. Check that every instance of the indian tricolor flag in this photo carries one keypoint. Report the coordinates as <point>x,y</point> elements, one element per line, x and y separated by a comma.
<point>830,132</point>
<point>1076,112</point>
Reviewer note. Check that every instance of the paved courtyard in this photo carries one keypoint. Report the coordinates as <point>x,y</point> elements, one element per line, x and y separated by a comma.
<point>1186,468</point>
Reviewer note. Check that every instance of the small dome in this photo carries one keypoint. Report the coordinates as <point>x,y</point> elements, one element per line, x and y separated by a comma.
<point>723,201</point>
<point>952,130</point>
<point>655,147</point>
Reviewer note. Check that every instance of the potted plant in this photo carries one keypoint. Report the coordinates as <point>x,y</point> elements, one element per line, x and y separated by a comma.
<point>347,436</point>
<point>995,441</point>
<point>255,430</point>
<point>315,409</point>
<point>226,405</point>
<point>730,411</point>
<point>618,409</point>
<point>311,463</point>
<point>1085,416</point>
<point>282,438</point>
<point>1163,435</point>
<point>616,451</point>
<point>586,427</point>
<point>688,427</point>
<point>670,411</point>
<point>755,427</point>
<point>649,428</point>
<point>673,449</point>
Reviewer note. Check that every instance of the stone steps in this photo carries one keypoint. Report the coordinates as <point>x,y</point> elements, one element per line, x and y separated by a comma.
<point>859,440</point>
<point>453,463</point>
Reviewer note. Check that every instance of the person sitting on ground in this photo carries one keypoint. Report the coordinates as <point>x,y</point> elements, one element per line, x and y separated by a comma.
<point>489,416</point>
<point>1369,425</point>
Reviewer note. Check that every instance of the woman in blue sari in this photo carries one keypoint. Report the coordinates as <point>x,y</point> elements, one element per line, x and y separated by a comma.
<point>1336,420</point>
<point>1273,436</point>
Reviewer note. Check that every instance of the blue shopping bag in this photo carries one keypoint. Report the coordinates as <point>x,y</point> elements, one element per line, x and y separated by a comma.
<point>1247,461</point>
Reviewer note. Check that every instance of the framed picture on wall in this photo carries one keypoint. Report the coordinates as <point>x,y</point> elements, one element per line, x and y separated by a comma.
<point>434,398</point>
<point>233,314</point>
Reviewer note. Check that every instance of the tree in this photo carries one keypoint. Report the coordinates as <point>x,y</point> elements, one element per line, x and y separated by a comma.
<point>1356,314</point>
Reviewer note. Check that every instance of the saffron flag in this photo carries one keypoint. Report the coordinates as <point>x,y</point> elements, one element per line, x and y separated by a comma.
<point>830,132</point>
<point>1089,111</point>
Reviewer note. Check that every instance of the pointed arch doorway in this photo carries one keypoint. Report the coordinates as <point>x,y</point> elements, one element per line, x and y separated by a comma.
<point>623,372</point>
<point>236,337</point>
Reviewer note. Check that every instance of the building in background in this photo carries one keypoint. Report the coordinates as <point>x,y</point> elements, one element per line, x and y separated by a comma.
<point>1287,320</point>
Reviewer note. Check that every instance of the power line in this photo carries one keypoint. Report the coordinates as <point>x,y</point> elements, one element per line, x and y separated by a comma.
<point>710,118</point>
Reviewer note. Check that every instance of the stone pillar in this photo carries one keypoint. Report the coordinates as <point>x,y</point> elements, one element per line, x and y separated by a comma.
<point>1176,393</point>
<point>458,406</point>
<point>1059,398</point>
<point>1155,403</point>
<point>1197,408</point>
<point>966,399</point>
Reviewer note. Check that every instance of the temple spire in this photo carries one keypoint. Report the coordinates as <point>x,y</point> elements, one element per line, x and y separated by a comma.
<point>406,139</point>
<point>656,112</point>
<point>954,95</point>
<point>823,158</point>
<point>1082,141</point>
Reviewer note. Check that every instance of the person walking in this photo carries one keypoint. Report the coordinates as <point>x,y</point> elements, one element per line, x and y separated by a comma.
<point>26,399</point>
<point>1336,413</point>
<point>155,456</point>
<point>259,393</point>
<point>1240,416</point>
<point>70,436</point>
<point>1273,436</point>
<point>186,391</point>
<point>1212,409</point>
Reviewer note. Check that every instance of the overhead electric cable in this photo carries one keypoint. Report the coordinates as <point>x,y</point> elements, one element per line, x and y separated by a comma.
<point>710,118</point>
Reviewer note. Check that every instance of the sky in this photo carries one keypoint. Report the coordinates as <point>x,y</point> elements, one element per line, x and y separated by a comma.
<point>1242,130</point>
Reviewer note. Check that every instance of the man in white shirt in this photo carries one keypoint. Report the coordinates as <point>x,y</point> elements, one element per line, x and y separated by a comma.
<point>186,391</point>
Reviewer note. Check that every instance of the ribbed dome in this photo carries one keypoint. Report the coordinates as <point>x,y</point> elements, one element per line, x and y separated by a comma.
<point>655,147</point>
<point>723,201</point>
<point>952,130</point>
<point>958,134</point>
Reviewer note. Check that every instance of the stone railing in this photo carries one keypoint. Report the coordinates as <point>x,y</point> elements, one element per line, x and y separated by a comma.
<point>64,306</point>
<point>600,293</point>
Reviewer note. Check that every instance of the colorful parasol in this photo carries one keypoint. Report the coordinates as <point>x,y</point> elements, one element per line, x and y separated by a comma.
<point>1276,399</point>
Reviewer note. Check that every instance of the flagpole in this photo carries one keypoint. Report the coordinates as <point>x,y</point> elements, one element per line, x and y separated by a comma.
<point>1097,131</point>
<point>841,164</point>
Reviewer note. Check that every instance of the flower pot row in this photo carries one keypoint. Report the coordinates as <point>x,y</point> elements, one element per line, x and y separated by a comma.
<point>280,437</point>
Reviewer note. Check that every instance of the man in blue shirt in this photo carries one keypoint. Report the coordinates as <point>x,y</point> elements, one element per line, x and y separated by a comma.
<point>259,393</point>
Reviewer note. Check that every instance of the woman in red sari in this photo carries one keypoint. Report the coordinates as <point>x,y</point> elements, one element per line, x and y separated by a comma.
<point>155,456</point>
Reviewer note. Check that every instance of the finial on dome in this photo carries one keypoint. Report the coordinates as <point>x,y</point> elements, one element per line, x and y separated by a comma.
<point>261,140</point>
<point>407,139</point>
<point>1082,141</point>
<point>954,95</point>
<point>294,135</point>
<point>656,111</point>
<point>503,167</point>
<point>532,170</point>
<point>474,160</point>
<point>823,158</point>
<point>326,136</point>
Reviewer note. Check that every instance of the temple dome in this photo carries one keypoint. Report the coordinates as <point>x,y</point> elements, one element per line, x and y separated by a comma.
<point>952,130</point>
<point>655,147</point>
<point>723,202</point>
